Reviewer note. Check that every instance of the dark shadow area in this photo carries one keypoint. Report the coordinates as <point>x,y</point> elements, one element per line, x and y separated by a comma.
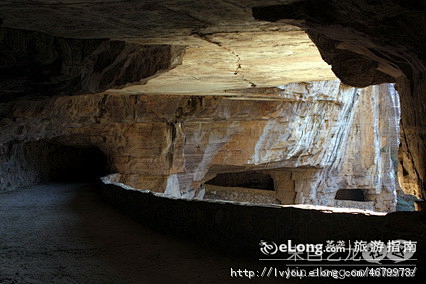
<point>71,164</point>
<point>66,233</point>
<point>34,63</point>
<point>249,179</point>
<point>350,194</point>
<point>27,163</point>
<point>237,228</point>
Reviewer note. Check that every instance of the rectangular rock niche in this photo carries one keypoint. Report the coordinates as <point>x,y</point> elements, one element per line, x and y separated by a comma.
<point>248,186</point>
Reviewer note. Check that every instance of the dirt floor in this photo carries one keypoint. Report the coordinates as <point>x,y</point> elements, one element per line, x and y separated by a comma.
<point>65,233</point>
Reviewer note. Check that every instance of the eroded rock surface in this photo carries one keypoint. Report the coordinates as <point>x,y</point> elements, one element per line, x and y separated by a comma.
<point>36,64</point>
<point>237,53</point>
<point>305,135</point>
<point>371,42</point>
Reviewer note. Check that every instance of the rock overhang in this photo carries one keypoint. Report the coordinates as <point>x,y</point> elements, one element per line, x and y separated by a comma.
<point>226,32</point>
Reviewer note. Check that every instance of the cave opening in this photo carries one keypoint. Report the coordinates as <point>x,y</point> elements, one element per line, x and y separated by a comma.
<point>248,179</point>
<point>57,162</point>
<point>25,164</point>
<point>351,194</point>
<point>254,187</point>
<point>71,164</point>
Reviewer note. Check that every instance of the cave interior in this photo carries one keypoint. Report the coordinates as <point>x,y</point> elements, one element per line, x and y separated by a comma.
<point>277,103</point>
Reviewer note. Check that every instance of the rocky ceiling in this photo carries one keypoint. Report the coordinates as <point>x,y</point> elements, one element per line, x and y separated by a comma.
<point>225,48</point>
<point>219,47</point>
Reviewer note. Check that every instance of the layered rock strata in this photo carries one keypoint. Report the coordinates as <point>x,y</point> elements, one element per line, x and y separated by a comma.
<point>366,42</point>
<point>371,42</point>
<point>312,138</point>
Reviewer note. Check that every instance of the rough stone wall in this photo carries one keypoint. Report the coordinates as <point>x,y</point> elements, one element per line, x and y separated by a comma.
<point>37,64</point>
<point>240,194</point>
<point>412,172</point>
<point>364,154</point>
<point>29,163</point>
<point>370,161</point>
<point>17,169</point>
<point>366,42</point>
<point>173,144</point>
<point>372,42</point>
<point>239,227</point>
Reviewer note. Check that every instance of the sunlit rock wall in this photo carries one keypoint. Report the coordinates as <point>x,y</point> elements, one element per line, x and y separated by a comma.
<point>373,42</point>
<point>312,138</point>
<point>370,161</point>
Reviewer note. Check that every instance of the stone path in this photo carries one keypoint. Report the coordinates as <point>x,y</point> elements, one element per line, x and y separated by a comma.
<point>65,233</point>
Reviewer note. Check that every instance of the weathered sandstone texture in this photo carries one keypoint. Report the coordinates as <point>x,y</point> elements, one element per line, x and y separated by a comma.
<point>371,159</point>
<point>371,42</point>
<point>240,194</point>
<point>312,138</point>
<point>207,54</point>
<point>36,64</point>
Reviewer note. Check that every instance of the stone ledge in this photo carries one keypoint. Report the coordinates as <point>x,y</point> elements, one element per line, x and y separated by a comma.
<point>366,205</point>
<point>238,227</point>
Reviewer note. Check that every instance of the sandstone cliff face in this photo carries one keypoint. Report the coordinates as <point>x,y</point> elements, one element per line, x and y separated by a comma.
<point>370,161</point>
<point>240,50</point>
<point>371,42</point>
<point>312,138</point>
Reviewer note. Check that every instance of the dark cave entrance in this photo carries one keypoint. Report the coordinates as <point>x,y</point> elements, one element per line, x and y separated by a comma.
<point>57,162</point>
<point>249,179</point>
<point>350,194</point>
<point>29,163</point>
<point>69,163</point>
<point>254,187</point>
